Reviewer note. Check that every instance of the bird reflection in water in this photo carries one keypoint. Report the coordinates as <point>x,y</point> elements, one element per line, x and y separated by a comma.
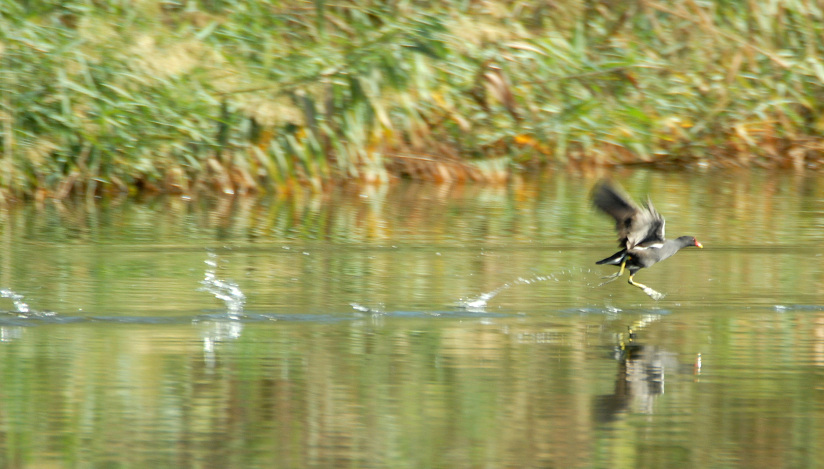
<point>641,378</point>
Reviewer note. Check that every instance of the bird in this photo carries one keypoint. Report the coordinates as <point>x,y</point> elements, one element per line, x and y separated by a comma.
<point>640,234</point>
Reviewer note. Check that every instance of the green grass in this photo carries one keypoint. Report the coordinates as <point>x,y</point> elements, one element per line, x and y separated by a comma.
<point>236,96</point>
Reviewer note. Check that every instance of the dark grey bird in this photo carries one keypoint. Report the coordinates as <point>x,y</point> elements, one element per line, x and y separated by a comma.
<point>640,233</point>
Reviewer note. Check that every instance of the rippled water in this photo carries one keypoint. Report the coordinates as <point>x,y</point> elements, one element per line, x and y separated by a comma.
<point>415,326</point>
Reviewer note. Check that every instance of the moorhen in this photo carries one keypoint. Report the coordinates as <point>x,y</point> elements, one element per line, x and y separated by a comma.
<point>640,234</point>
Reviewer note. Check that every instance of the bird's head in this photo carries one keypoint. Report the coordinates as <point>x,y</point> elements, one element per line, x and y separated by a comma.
<point>687,241</point>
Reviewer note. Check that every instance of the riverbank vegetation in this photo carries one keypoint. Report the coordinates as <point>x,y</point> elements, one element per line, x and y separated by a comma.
<point>242,95</point>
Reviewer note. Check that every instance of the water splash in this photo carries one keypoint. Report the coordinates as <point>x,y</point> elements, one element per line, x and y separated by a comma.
<point>479,303</point>
<point>367,309</point>
<point>655,295</point>
<point>224,290</point>
<point>785,308</point>
<point>220,328</point>
<point>610,308</point>
<point>19,306</point>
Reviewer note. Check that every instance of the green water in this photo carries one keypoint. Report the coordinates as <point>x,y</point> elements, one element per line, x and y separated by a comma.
<point>346,345</point>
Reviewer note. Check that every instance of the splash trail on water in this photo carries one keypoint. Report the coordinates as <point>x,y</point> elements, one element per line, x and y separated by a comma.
<point>220,328</point>
<point>224,290</point>
<point>367,309</point>
<point>21,308</point>
<point>19,305</point>
<point>480,302</point>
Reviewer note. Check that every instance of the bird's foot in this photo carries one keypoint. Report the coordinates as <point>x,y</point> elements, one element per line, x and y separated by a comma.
<point>649,291</point>
<point>653,294</point>
<point>611,278</point>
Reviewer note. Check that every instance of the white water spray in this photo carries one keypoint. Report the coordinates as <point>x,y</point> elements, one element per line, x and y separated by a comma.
<point>478,304</point>
<point>19,305</point>
<point>21,308</point>
<point>224,290</point>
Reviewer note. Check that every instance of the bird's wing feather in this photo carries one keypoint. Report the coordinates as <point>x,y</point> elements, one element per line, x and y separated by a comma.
<point>635,225</point>
<point>616,204</point>
<point>613,201</point>
<point>648,227</point>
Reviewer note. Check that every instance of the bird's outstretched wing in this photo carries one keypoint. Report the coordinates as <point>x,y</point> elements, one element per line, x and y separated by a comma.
<point>636,226</point>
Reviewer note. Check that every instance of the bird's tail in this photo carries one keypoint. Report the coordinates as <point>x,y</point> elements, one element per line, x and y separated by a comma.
<point>615,259</point>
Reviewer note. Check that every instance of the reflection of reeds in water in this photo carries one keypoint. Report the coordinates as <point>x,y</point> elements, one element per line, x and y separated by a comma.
<point>548,222</point>
<point>512,393</point>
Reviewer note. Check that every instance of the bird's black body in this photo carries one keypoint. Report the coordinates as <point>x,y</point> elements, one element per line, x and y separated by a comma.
<point>640,232</point>
<point>640,259</point>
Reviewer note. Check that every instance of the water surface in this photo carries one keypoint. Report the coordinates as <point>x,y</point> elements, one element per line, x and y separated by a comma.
<point>415,326</point>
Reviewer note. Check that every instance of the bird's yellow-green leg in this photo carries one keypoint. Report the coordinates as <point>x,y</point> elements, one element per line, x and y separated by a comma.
<point>639,285</point>
<point>623,264</point>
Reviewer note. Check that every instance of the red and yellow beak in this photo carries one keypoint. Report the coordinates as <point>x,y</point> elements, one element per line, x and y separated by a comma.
<point>698,244</point>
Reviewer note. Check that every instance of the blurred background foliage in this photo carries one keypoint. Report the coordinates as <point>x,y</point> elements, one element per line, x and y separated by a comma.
<point>242,95</point>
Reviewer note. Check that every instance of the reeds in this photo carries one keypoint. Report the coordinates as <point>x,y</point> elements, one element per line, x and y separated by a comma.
<point>240,95</point>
